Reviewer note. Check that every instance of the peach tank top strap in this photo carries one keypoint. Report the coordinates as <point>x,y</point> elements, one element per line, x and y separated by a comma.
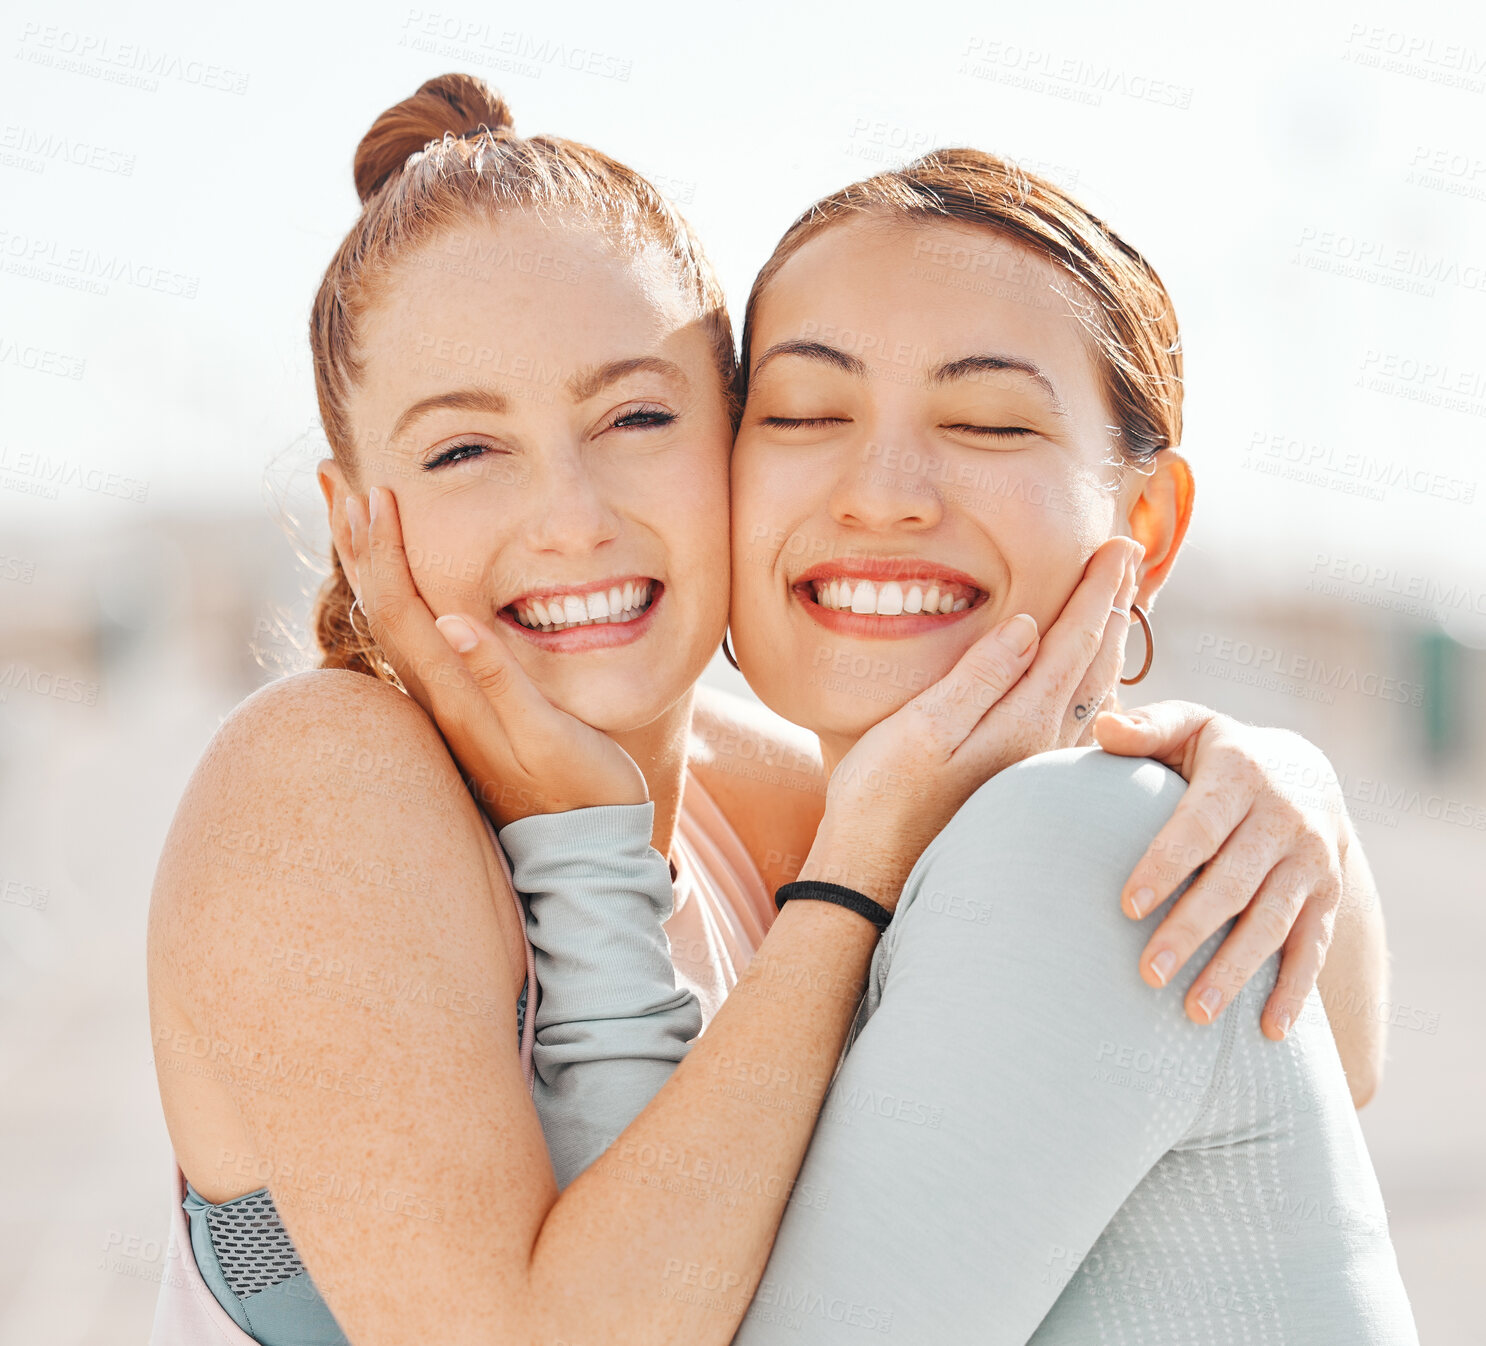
<point>722,908</point>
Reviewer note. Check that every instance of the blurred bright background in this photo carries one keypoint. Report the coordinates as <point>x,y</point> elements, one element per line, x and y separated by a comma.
<point>1310,180</point>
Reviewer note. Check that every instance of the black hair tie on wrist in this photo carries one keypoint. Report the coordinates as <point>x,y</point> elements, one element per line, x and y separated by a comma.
<point>849,898</point>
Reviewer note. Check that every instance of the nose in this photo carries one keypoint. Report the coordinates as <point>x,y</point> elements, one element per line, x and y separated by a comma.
<point>571,513</point>
<point>888,485</point>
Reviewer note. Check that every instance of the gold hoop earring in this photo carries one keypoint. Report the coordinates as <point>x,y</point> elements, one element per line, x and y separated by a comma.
<point>1150,646</point>
<point>727,653</point>
<point>351,617</point>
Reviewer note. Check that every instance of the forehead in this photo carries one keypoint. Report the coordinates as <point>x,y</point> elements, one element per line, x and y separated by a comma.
<point>525,287</point>
<point>898,291</point>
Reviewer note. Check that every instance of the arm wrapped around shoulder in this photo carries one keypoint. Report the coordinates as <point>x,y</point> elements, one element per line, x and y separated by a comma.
<point>611,1022</point>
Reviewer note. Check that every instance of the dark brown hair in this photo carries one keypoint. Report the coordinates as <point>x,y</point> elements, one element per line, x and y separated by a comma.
<point>1126,311</point>
<point>430,165</point>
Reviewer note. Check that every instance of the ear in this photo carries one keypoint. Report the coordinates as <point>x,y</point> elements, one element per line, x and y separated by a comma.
<point>1158,519</point>
<point>335,490</point>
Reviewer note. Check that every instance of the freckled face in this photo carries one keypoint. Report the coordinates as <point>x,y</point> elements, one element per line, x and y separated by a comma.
<point>549,415</point>
<point>925,451</point>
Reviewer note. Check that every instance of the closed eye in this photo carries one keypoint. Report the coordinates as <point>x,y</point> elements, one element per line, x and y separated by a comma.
<point>993,431</point>
<point>801,422</point>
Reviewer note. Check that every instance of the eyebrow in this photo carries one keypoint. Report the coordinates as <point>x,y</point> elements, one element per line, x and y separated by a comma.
<point>460,399</point>
<point>985,364</point>
<point>586,382</point>
<point>946,373</point>
<point>812,350</point>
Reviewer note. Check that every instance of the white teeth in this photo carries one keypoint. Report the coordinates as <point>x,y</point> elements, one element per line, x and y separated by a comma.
<point>888,598</point>
<point>598,608</point>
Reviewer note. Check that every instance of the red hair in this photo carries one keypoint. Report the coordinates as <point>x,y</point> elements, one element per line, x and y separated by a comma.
<point>429,165</point>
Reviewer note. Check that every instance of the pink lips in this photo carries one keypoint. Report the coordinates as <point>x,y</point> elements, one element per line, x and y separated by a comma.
<point>885,568</point>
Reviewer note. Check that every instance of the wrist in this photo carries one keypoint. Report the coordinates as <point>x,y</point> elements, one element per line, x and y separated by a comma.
<point>598,830</point>
<point>851,865</point>
<point>838,895</point>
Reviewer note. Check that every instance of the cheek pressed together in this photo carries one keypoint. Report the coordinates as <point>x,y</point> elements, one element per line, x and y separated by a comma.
<point>917,462</point>
<point>538,430</point>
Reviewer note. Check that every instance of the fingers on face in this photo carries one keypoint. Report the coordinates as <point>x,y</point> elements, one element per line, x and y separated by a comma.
<point>951,709</point>
<point>1099,679</point>
<point>386,557</point>
<point>356,522</point>
<point>493,667</point>
<point>400,621</point>
<point>1072,644</point>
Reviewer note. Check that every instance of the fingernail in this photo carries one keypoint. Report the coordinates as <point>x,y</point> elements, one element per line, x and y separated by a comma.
<point>1141,901</point>
<point>1121,718</point>
<point>1162,965</point>
<point>1018,633</point>
<point>1209,1001</point>
<point>458,633</point>
<point>372,499</point>
<point>1284,1022</point>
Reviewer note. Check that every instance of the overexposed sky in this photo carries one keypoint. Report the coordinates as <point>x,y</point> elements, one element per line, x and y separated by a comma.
<point>1309,179</point>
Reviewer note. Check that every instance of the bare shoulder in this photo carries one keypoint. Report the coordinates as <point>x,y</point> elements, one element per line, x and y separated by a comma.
<point>294,721</point>
<point>334,952</point>
<point>329,756</point>
<point>328,740</point>
<point>765,775</point>
<point>326,801</point>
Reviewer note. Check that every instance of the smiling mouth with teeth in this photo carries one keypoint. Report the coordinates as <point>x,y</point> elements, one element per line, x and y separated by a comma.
<point>614,606</point>
<point>892,598</point>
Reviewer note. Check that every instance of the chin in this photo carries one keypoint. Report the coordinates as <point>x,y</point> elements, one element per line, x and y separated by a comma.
<point>620,705</point>
<point>829,705</point>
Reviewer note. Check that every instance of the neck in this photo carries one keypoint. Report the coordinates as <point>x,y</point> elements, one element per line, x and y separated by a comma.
<point>659,749</point>
<point>833,747</point>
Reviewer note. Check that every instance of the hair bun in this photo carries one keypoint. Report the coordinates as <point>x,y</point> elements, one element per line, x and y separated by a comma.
<point>449,104</point>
